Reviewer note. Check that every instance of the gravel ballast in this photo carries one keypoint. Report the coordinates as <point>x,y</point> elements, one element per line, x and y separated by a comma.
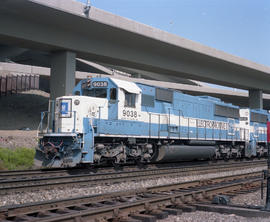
<point>253,199</point>
<point>79,190</point>
<point>201,216</point>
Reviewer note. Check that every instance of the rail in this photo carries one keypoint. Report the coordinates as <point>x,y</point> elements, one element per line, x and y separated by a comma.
<point>134,203</point>
<point>52,180</point>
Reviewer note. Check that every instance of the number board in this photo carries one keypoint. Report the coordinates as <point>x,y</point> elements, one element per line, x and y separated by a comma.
<point>65,108</point>
<point>100,84</point>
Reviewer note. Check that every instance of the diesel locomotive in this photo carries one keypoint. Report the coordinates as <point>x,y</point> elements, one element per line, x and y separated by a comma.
<point>108,120</point>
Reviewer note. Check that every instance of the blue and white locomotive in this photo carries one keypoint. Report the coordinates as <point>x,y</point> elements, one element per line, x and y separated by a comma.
<point>112,120</point>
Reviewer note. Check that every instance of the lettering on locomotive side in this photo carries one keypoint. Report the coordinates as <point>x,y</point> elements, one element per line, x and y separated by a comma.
<point>212,124</point>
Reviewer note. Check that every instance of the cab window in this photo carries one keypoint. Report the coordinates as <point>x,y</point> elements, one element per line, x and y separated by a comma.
<point>130,99</point>
<point>113,94</point>
<point>95,92</point>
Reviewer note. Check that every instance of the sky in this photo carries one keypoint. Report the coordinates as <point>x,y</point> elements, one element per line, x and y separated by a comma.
<point>238,27</point>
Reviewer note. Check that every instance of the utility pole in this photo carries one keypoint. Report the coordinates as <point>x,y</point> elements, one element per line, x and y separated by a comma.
<point>267,203</point>
<point>87,8</point>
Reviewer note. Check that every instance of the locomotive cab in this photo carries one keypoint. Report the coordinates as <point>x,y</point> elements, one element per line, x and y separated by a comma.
<point>122,97</point>
<point>74,121</point>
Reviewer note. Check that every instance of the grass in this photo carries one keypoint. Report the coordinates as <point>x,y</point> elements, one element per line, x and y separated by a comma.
<point>18,159</point>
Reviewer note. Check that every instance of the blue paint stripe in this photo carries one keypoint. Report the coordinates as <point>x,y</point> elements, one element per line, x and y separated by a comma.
<point>133,128</point>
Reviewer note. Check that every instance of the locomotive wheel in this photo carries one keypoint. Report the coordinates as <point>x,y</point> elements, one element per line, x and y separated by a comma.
<point>57,162</point>
<point>140,164</point>
<point>116,166</point>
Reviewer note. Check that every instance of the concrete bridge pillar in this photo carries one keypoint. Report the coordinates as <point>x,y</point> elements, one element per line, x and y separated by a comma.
<point>255,99</point>
<point>63,68</point>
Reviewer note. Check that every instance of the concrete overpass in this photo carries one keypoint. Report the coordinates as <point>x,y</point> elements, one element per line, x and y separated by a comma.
<point>34,58</point>
<point>236,97</point>
<point>62,29</point>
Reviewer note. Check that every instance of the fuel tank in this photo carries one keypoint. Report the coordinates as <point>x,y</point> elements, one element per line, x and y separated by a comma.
<point>174,153</point>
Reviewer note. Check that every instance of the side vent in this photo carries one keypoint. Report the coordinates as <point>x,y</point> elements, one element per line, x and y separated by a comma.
<point>258,117</point>
<point>164,95</point>
<point>226,111</point>
<point>148,100</point>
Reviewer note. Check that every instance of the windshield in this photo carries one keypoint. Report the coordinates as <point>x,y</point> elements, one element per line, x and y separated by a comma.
<point>95,92</point>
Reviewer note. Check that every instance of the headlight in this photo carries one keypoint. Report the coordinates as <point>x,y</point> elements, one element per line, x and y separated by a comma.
<point>76,102</point>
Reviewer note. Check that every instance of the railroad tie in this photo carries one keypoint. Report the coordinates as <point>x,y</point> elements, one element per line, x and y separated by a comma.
<point>64,211</point>
<point>173,211</point>
<point>129,219</point>
<point>144,217</point>
<point>185,208</point>
<point>22,218</point>
<point>159,214</point>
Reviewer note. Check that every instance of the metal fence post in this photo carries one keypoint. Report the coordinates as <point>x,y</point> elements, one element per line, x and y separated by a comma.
<point>267,204</point>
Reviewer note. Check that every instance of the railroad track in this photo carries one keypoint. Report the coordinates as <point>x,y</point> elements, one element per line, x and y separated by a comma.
<point>28,174</point>
<point>153,202</point>
<point>41,173</point>
<point>35,184</point>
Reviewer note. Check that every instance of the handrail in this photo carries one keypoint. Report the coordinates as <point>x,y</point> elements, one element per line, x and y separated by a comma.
<point>74,122</point>
<point>149,125</point>
<point>40,125</point>
<point>238,133</point>
<point>179,122</point>
<point>47,113</point>
<point>99,118</point>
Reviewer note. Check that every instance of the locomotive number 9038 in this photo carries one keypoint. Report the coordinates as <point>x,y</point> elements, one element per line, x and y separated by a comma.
<point>100,84</point>
<point>130,113</point>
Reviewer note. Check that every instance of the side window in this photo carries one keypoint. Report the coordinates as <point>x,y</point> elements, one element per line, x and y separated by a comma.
<point>130,99</point>
<point>113,94</point>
